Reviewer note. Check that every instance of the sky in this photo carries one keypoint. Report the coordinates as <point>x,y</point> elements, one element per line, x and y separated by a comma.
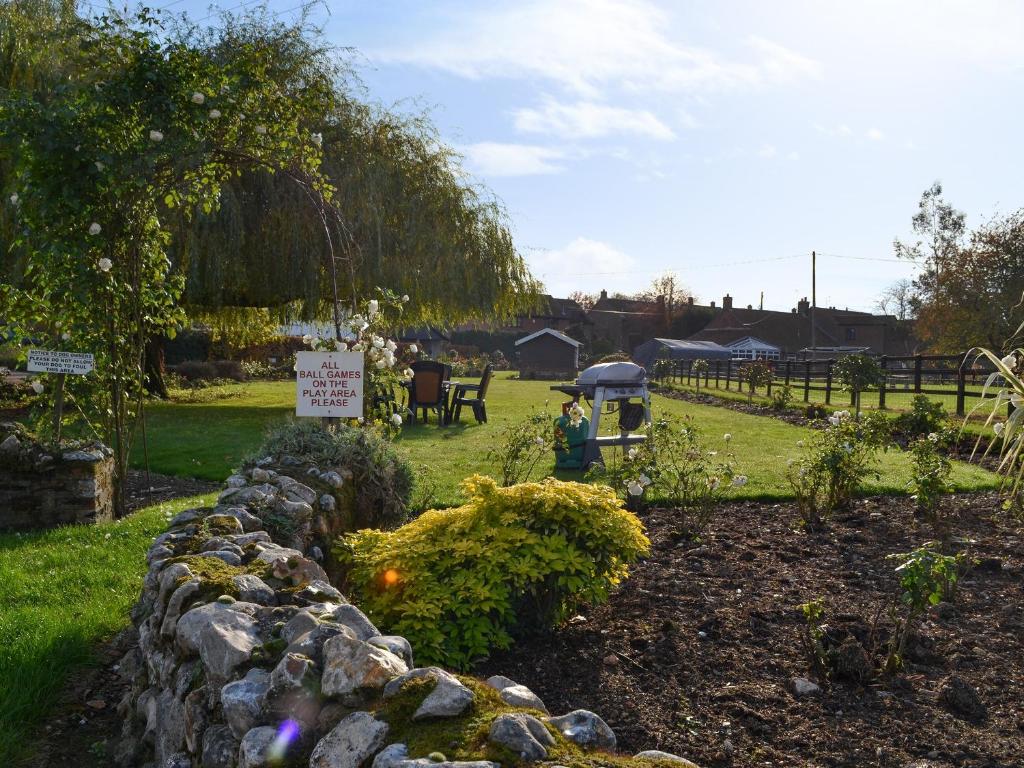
<point>721,140</point>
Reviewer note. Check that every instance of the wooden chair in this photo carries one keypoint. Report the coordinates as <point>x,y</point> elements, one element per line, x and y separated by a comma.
<point>429,389</point>
<point>478,402</point>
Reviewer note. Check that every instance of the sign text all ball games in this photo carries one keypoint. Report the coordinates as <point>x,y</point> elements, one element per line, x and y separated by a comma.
<point>329,384</point>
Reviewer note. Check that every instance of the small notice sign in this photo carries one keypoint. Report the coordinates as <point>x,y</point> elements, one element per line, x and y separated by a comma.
<point>329,384</point>
<point>52,361</point>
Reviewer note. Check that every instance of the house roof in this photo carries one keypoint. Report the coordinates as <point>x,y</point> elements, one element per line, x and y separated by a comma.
<point>422,333</point>
<point>550,332</point>
<point>626,306</point>
<point>752,342</point>
<point>790,330</point>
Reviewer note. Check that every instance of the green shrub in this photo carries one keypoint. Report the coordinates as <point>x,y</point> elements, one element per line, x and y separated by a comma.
<point>671,466</point>
<point>381,480</point>
<point>840,457</point>
<point>522,445</point>
<point>930,474</point>
<point>756,373</point>
<point>781,397</point>
<point>924,417</point>
<point>457,582</point>
<point>856,374</point>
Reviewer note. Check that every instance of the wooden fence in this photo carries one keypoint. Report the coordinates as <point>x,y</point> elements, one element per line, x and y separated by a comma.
<point>956,378</point>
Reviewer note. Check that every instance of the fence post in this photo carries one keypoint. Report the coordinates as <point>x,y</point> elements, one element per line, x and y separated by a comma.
<point>881,384</point>
<point>917,373</point>
<point>807,381</point>
<point>771,378</point>
<point>789,368</point>
<point>828,383</point>
<point>961,386</point>
<point>728,373</point>
<point>718,370</point>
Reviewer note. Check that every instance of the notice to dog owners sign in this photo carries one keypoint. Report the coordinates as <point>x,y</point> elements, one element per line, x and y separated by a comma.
<point>329,384</point>
<point>52,361</point>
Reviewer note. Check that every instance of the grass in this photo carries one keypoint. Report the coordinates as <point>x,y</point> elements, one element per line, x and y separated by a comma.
<point>64,591</point>
<point>207,440</point>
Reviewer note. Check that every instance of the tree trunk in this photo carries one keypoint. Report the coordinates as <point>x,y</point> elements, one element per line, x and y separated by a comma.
<point>153,373</point>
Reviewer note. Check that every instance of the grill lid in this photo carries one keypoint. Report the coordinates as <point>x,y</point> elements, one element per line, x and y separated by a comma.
<point>609,374</point>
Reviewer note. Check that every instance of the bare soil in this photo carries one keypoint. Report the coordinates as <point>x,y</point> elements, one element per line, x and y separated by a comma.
<point>695,654</point>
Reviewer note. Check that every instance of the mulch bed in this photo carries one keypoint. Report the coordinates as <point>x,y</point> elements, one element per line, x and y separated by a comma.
<point>145,489</point>
<point>696,652</point>
<point>789,415</point>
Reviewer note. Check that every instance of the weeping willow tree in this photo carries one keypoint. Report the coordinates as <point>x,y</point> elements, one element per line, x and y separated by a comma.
<point>404,216</point>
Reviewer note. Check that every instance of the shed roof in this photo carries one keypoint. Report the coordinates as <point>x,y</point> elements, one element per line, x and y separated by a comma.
<point>679,349</point>
<point>551,332</point>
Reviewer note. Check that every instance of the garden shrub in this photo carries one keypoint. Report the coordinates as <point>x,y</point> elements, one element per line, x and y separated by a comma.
<point>522,445</point>
<point>841,457</point>
<point>229,369</point>
<point>381,480</point>
<point>458,582</point>
<point>672,467</point>
<point>756,373</point>
<point>930,475</point>
<point>857,374</point>
<point>781,397</point>
<point>924,417</point>
<point>195,370</point>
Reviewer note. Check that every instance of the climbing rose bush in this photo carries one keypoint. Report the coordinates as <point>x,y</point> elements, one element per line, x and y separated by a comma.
<point>458,582</point>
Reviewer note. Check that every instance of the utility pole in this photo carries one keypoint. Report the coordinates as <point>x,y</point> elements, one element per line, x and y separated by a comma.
<point>814,297</point>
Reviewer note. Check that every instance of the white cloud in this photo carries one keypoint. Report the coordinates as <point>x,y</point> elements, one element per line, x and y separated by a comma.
<point>767,151</point>
<point>587,120</point>
<point>841,131</point>
<point>875,135</point>
<point>586,46</point>
<point>582,265</point>
<point>496,159</point>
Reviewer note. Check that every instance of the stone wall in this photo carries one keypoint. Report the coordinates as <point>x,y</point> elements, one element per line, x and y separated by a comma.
<point>43,489</point>
<point>248,657</point>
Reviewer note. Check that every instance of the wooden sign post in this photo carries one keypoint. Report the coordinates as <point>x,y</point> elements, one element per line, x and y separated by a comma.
<point>59,364</point>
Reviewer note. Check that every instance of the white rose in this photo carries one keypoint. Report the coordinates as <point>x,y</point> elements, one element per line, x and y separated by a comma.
<point>318,139</point>
<point>100,166</point>
<point>373,307</point>
<point>214,114</point>
<point>198,98</point>
<point>1010,360</point>
<point>413,348</point>
<point>95,229</point>
<point>834,420</point>
<point>727,437</point>
<point>634,488</point>
<point>405,298</point>
<point>378,342</point>
<point>261,130</point>
<point>358,347</point>
<point>538,440</point>
<point>307,339</point>
<point>632,453</point>
<point>37,386</point>
<point>156,136</point>
<point>396,419</point>
<point>998,428</point>
<point>340,346</point>
<point>14,198</point>
<point>645,480</point>
<point>390,346</point>
<point>381,364</point>
<point>739,481</point>
<point>408,373</point>
<point>65,336</point>
<point>105,264</point>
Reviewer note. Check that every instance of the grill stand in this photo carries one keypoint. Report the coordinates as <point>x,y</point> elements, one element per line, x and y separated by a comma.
<point>603,394</point>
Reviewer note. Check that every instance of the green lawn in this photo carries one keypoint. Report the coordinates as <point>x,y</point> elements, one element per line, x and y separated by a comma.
<point>64,591</point>
<point>208,439</point>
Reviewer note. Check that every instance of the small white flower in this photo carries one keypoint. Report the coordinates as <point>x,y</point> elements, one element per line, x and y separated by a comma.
<point>104,264</point>
<point>378,342</point>
<point>307,339</point>
<point>214,114</point>
<point>37,386</point>
<point>198,98</point>
<point>644,480</point>
<point>739,481</point>
<point>413,348</point>
<point>155,135</point>
<point>713,483</point>
<point>834,420</point>
<point>1010,361</point>
<point>318,139</point>
<point>998,427</point>
<point>357,347</point>
<point>361,420</point>
<point>381,364</point>
<point>14,198</point>
<point>390,346</point>
<point>372,307</point>
<point>727,437</point>
<point>340,346</point>
<point>800,443</point>
<point>634,488</point>
<point>408,373</point>
<point>100,166</point>
<point>405,298</point>
<point>65,336</point>
<point>933,437</point>
<point>396,419</point>
<point>95,229</point>
<point>261,130</point>
<point>538,440</point>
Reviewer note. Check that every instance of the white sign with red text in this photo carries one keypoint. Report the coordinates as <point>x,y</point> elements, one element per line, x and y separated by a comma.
<point>329,384</point>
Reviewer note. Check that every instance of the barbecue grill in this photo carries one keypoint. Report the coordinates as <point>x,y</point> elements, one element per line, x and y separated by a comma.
<point>619,385</point>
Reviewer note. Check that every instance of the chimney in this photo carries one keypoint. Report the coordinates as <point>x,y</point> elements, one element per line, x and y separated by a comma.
<point>604,294</point>
<point>689,300</point>
<point>712,305</point>
<point>803,306</point>
<point>727,301</point>
<point>750,306</point>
